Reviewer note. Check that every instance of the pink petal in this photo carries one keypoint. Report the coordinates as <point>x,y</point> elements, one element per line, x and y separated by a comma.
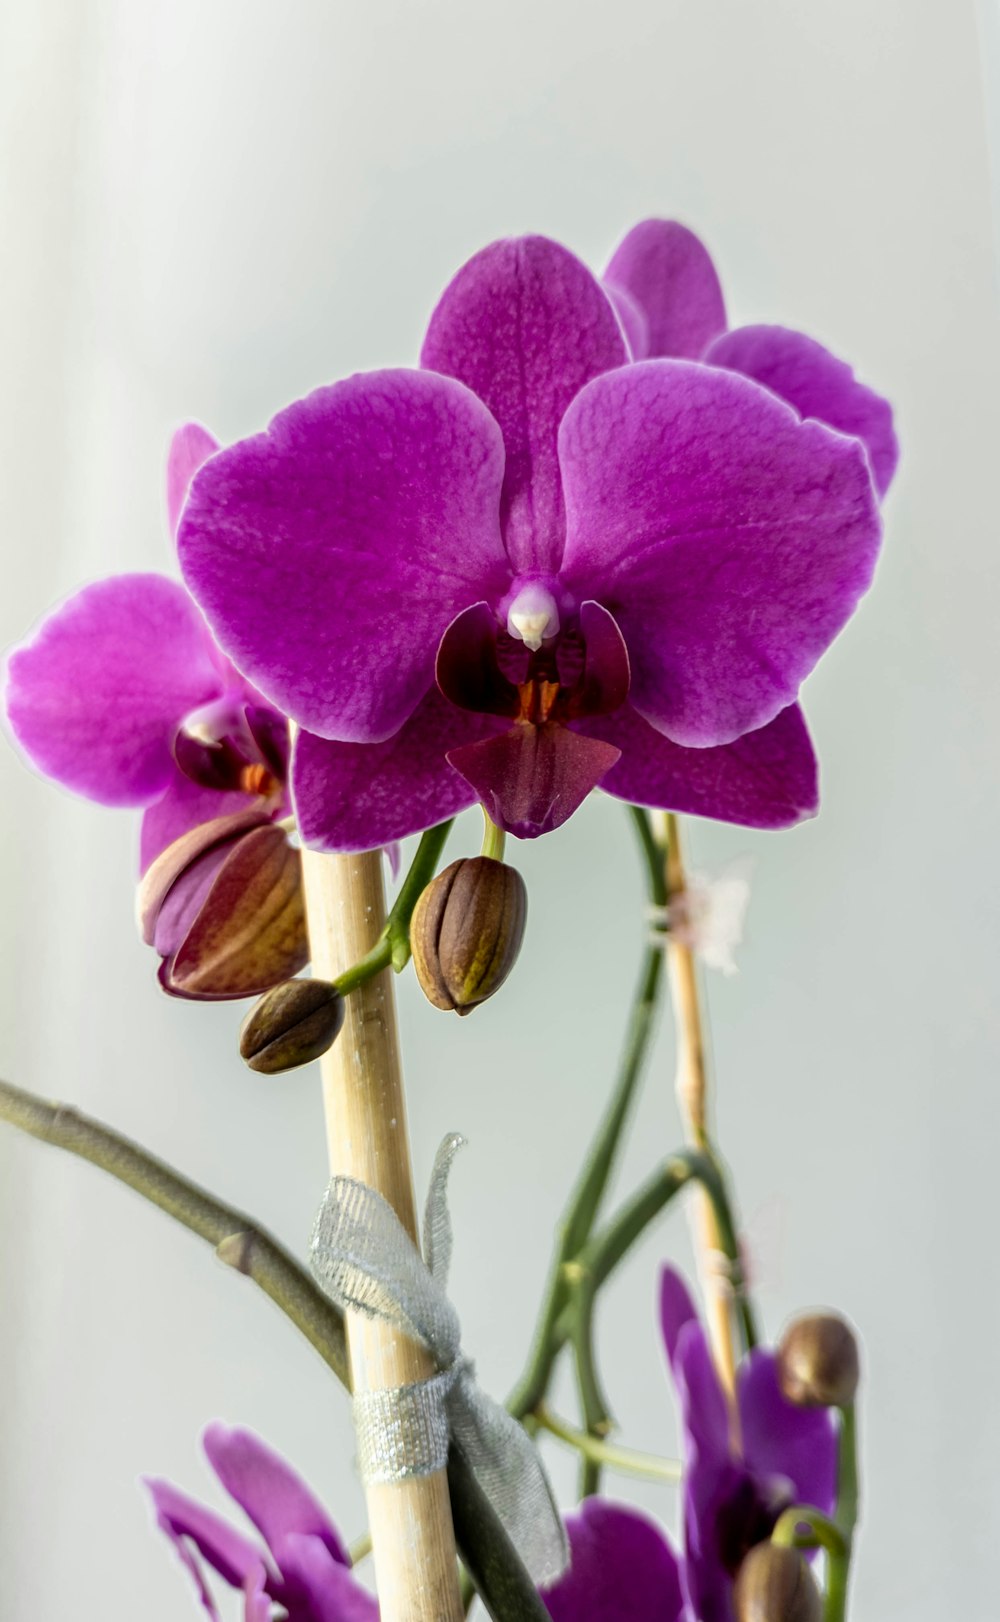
<point>668,272</point>
<point>532,778</point>
<point>525,325</point>
<point>766,779</point>
<point>817,384</point>
<point>331,552</point>
<point>184,807</point>
<point>354,796</point>
<point>622,1569</point>
<point>190,447</point>
<point>730,541</point>
<point>275,1498</point>
<point>96,696</point>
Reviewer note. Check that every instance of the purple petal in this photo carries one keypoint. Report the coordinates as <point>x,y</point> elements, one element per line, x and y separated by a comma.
<point>318,1589</point>
<point>525,325</point>
<point>632,318</point>
<point>96,696</point>
<point>233,1556</point>
<point>331,552</point>
<point>700,1395</point>
<point>356,796</point>
<point>184,807</point>
<point>190,448</point>
<point>817,384</point>
<point>275,1498</point>
<point>257,1605</point>
<point>622,1569</point>
<point>468,672</point>
<point>532,778</point>
<point>730,540</point>
<point>670,275</point>
<point>677,1309</point>
<point>782,1440</point>
<point>766,779</point>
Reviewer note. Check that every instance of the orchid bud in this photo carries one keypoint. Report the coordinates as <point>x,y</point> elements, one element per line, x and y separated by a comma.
<point>775,1585</point>
<point>466,932</point>
<point>291,1025</point>
<point>818,1362</point>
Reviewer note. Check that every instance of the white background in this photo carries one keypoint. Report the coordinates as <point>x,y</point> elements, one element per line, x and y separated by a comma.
<point>207,209</point>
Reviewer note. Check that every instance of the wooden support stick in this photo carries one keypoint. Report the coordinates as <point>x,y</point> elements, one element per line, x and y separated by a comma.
<point>692,1097</point>
<point>413,1540</point>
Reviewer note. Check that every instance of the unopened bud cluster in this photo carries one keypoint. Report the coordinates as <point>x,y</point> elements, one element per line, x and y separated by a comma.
<point>817,1362</point>
<point>467,930</point>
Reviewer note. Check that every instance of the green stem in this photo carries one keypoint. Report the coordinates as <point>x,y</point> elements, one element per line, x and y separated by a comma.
<point>838,1568</point>
<point>589,1190</point>
<point>654,855</point>
<point>239,1241</point>
<point>500,1577</point>
<point>372,963</point>
<point>422,870</point>
<point>494,838</point>
<point>822,1533</point>
<point>628,1460</point>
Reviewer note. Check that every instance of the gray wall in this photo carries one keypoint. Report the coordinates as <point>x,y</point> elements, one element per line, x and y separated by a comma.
<point>206,210</point>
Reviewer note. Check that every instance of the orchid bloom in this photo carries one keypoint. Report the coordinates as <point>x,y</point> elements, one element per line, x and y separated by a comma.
<point>622,1569</point>
<point>303,1572</point>
<point>532,568</point>
<point>731,1502</point>
<point>123,696</point>
<point>669,299</point>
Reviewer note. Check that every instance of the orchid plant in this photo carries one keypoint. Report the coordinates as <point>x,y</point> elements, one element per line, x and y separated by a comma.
<point>596,541</point>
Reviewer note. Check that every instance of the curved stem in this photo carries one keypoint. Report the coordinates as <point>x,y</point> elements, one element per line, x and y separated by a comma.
<point>239,1241</point>
<point>494,838</point>
<point>422,870</point>
<point>838,1569</point>
<point>628,1460</point>
<point>822,1533</point>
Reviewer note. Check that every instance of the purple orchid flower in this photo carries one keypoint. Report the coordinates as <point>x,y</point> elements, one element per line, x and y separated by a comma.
<point>622,1569</point>
<point>123,696</point>
<point>667,292</point>
<point>303,1570</point>
<point>533,568</point>
<point>788,1456</point>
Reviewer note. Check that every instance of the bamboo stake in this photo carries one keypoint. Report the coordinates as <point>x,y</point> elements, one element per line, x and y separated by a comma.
<point>413,1540</point>
<point>692,1097</point>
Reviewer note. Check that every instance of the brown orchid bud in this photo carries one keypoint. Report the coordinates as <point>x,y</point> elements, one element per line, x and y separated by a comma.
<point>818,1361</point>
<point>291,1025</point>
<point>776,1585</point>
<point>466,932</point>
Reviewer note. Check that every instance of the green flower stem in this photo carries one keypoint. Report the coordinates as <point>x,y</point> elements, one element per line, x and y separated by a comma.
<point>822,1533</point>
<point>838,1567</point>
<point>238,1239</point>
<point>373,962</point>
<point>550,1335</point>
<point>422,870</point>
<point>494,838</point>
<point>629,1461</point>
<point>503,1584</point>
<point>654,854</point>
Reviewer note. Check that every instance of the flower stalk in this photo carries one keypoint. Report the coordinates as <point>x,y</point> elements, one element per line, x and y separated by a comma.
<point>413,1538</point>
<point>692,1098</point>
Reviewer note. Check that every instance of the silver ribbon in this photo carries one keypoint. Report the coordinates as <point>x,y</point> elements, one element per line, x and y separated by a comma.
<point>366,1261</point>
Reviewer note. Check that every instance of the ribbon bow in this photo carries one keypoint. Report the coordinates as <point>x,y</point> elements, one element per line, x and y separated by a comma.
<point>366,1261</point>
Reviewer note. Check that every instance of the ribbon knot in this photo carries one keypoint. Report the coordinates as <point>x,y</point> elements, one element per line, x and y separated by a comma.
<point>366,1261</point>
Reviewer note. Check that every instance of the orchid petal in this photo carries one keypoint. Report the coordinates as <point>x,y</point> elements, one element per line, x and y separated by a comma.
<point>96,696</point>
<point>668,272</point>
<point>331,552</point>
<point>622,1569</point>
<point>817,384</point>
<point>468,672</point>
<point>275,1498</point>
<point>632,318</point>
<point>190,448</point>
<point>319,1588</point>
<point>780,1439</point>
<point>228,1552</point>
<point>352,796</point>
<point>532,778</point>
<point>766,779</point>
<point>730,540</point>
<point>525,325</point>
